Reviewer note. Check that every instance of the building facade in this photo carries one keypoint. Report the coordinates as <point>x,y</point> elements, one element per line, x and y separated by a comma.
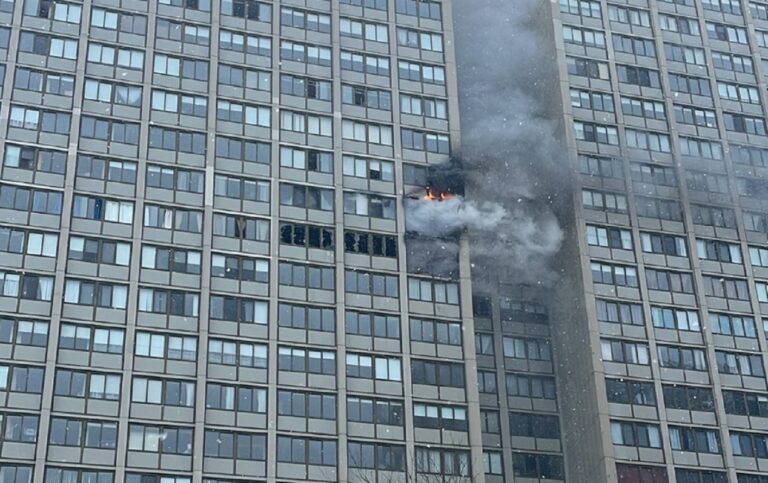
<point>202,251</point>
<point>661,322</point>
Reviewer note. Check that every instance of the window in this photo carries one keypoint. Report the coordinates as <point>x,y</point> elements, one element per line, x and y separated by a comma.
<point>15,240</point>
<point>426,73</point>
<point>305,53</point>
<point>700,148</point>
<point>363,30</point>
<point>659,208</point>
<point>624,391</point>
<point>442,462</point>
<point>429,416</point>
<point>364,204</point>
<point>184,104</point>
<point>718,251</point>
<point>417,39</point>
<point>732,62</point>
<point>713,216</point>
<point>236,398</point>
<point>109,130</point>
<point>619,312</point>
<point>682,358</point>
<point>531,465</point>
<point>690,85</point>
<point>614,274</point>
<point>121,57</point>
<point>306,159</point>
<point>239,268</point>
<point>64,475</point>
<point>306,123</point>
<point>681,25</point>
<point>303,19</point>
<point>423,106</point>
<point>23,379</point>
<point>367,324</point>
<point>669,281</point>
<point>308,236</point>
<point>98,250</point>
<point>373,244</point>
<point>745,403</point>
<point>238,309</point>
<point>297,359</point>
<point>306,405</point>
<point>623,351</point>
<point>736,325</point>
<point>201,5</point>
<point>160,439</point>
<point>581,36</point>
<point>609,236</point>
<point>171,259</point>
<point>219,444</point>
<point>298,450</point>
<point>596,101</point>
<point>489,421</point>
<point>726,288</point>
<point>367,283</point>
<point>306,276</point>
<point>377,367</point>
<point>449,374</point>
<point>533,349</point>
<point>306,317</point>
<point>175,140</point>
<point>435,332</point>
<point>24,332</point>
<point>536,387</point>
<point>680,319</point>
<point>598,200</point>
<point>241,354</point>
<point>181,67</point>
<point>634,45</point>
<point>415,8</point>
<point>376,456</point>
<point>169,302</point>
<point>42,44</point>
<point>749,444</point>
<point>688,398</point>
<point>369,64</point>
<point>163,391</point>
<point>249,9</point>
<point>84,338</point>
<point>172,347</point>
<point>172,178</point>
<point>44,121</point>
<point>366,132</point>
<point>249,44</point>
<point>229,226</point>
<point>584,8</point>
<point>41,81</point>
<point>237,76</point>
<point>695,116</point>
<point>642,435</point>
<point>664,244</point>
<point>305,87</point>
<point>106,169</point>
<point>98,294</point>
<point>90,434</point>
<point>639,76</point>
<point>173,219</point>
<point>740,363</point>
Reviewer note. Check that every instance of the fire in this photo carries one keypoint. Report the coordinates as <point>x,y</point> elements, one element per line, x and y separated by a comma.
<point>435,195</point>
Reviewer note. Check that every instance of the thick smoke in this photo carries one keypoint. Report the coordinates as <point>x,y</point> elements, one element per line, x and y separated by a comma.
<point>509,140</point>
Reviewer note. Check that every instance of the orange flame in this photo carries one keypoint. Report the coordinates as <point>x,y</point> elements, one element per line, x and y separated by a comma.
<point>433,195</point>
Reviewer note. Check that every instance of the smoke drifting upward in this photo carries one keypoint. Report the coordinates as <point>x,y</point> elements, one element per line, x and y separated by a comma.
<point>513,163</point>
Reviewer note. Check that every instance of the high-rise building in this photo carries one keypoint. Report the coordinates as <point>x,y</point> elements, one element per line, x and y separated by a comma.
<point>202,244</point>
<point>660,321</point>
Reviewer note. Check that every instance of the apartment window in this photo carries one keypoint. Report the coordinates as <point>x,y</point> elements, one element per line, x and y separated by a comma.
<point>623,351</point>
<point>163,391</point>
<point>106,169</point>
<point>664,244</point>
<point>584,8</point>
<point>582,36</point>
<point>241,354</point>
<point>83,384</point>
<point>363,30</point>
<point>297,359</point>
<point>42,44</point>
<point>306,159</point>
<point>376,456</point>
<point>442,462</point>
<point>306,405</point>
<point>306,451</point>
<point>659,208</point>
<point>415,8</point>
<point>592,100</point>
<point>489,421</point>
<point>727,33</point>
<point>745,403</point>
<point>428,291</point>
<point>713,216</point>
<point>609,236</point>
<point>534,425</point>
<point>598,166</point>
<point>173,219</point>
<point>695,116</point>
<point>171,259</point>
<point>364,204</point>
<point>682,358</point>
<point>306,236</point>
<point>690,398</point>
<point>24,332</point>
<point>532,349</point>
<point>172,178</point>
<point>367,283</point>
<point>614,274</point>
<point>28,286</point>
<point>736,325</point>
<point>602,201</point>
<point>596,133</point>
<point>531,465</point>
<point>744,124</point>
<point>160,439</point>
<point>249,44</point>
<point>183,32</point>
<point>235,76</point>
<point>181,67</point>
<point>733,62</point>
<point>236,398</point>
<point>690,85</point>
<point>109,130</point>
<point>305,53</point>
<point>669,281</point>
<point>22,379</point>
<point>631,106</point>
<point>718,251</point>
<point>426,73</point>
<point>47,82</point>
<point>44,121</point>
<point>240,446</point>
<point>309,197</point>
<point>237,309</point>
<point>681,25</point>
<point>239,268</point>
<point>694,439</point>
<point>369,64</point>
<point>449,374</point>
<point>303,19</point>
<point>740,363</point>
<point>435,332</point>
<point>305,87</point>
<point>726,288</point>
<point>624,391</point>
<point>85,338</point>
<point>90,434</point>
<point>161,346</point>
<point>175,140</point>
<point>700,148</point>
<point>19,428</point>
<point>619,312</point>
<point>170,302</point>
<point>484,344</point>
<point>378,411</point>
<point>185,104</point>
<point>366,132</point>
<point>435,417</point>
<point>249,9</point>
<point>535,387</point>
<point>121,57</point>
<point>97,250</point>
<point>754,222</point>
<point>370,243</point>
<point>229,226</point>
<point>14,240</point>
<point>679,319</point>
<point>419,39</point>
<point>64,475</point>
<point>639,76</point>
<point>241,113</point>
<point>306,276</point>
<point>697,476</point>
<point>626,433</point>
<point>98,294</point>
<point>751,445</point>
<point>377,367</point>
<point>423,106</point>
<point>634,45</point>
<point>367,324</point>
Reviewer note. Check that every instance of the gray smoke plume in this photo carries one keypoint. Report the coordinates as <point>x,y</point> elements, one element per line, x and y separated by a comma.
<point>513,163</point>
